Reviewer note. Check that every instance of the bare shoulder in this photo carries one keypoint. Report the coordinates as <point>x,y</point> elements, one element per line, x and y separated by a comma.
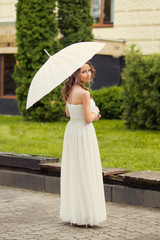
<point>85,95</point>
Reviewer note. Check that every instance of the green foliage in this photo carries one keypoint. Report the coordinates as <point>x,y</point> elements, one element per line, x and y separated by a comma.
<point>141,77</point>
<point>37,29</point>
<point>110,102</point>
<point>75,21</point>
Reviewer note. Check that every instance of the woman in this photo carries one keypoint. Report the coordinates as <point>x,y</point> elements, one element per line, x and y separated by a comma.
<point>82,192</point>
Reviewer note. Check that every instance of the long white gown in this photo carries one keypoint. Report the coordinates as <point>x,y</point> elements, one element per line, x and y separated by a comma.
<point>82,191</point>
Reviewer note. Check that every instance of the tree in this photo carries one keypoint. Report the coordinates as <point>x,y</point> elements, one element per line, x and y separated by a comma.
<point>75,21</point>
<point>37,29</point>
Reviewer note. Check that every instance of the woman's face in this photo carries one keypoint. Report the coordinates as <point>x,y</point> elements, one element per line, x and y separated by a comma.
<point>85,73</point>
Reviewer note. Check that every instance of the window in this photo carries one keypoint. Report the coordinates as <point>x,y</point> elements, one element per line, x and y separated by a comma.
<point>7,83</point>
<point>102,12</point>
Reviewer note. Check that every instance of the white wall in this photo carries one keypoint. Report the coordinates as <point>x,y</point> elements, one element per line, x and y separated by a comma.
<point>7,11</point>
<point>7,26</point>
<point>135,21</point>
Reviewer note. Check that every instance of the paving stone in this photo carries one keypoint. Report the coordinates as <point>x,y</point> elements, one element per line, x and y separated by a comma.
<point>147,237</point>
<point>26,214</point>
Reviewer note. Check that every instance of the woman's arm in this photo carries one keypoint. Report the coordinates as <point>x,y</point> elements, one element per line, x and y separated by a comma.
<point>88,116</point>
<point>67,111</point>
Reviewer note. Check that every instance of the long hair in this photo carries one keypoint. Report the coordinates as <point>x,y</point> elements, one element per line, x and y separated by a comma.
<point>71,81</point>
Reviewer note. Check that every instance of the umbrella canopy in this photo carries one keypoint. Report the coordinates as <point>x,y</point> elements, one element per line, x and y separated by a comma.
<point>59,67</point>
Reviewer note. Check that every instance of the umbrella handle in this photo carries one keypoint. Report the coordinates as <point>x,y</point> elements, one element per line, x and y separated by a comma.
<point>47,52</point>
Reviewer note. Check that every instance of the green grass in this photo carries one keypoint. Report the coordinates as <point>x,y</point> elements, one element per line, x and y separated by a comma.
<point>119,147</point>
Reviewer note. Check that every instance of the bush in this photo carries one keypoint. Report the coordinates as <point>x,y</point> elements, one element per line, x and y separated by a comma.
<point>37,28</point>
<point>75,21</point>
<point>141,77</point>
<point>110,101</point>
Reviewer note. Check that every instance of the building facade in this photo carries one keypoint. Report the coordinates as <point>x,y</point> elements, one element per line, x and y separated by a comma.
<point>118,23</point>
<point>8,103</point>
<point>135,21</point>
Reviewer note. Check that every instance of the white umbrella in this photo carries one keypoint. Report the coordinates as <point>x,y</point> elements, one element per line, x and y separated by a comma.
<point>59,67</point>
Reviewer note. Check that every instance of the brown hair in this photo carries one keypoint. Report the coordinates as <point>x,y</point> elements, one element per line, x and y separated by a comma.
<point>71,80</point>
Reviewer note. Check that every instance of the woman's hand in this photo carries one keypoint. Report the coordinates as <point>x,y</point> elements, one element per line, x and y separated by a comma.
<point>97,117</point>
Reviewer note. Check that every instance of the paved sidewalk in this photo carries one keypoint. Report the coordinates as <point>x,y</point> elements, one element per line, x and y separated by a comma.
<point>26,214</point>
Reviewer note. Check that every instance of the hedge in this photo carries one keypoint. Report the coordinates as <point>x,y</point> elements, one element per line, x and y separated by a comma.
<point>141,78</point>
<point>37,29</point>
<point>75,21</point>
<point>110,101</point>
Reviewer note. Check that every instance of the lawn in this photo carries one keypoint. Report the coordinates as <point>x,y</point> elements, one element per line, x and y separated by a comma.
<point>119,147</point>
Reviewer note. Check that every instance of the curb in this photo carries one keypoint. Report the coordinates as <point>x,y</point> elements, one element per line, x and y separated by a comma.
<point>51,184</point>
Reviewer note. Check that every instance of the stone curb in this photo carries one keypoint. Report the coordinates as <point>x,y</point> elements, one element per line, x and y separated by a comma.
<point>51,184</point>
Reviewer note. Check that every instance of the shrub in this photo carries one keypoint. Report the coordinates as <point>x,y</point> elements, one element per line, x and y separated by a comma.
<point>141,77</point>
<point>37,28</point>
<point>75,21</point>
<point>110,101</point>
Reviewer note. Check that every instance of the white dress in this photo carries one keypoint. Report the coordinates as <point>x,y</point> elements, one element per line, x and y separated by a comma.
<point>82,191</point>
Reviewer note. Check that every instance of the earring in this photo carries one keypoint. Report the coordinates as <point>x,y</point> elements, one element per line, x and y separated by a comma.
<point>75,80</point>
